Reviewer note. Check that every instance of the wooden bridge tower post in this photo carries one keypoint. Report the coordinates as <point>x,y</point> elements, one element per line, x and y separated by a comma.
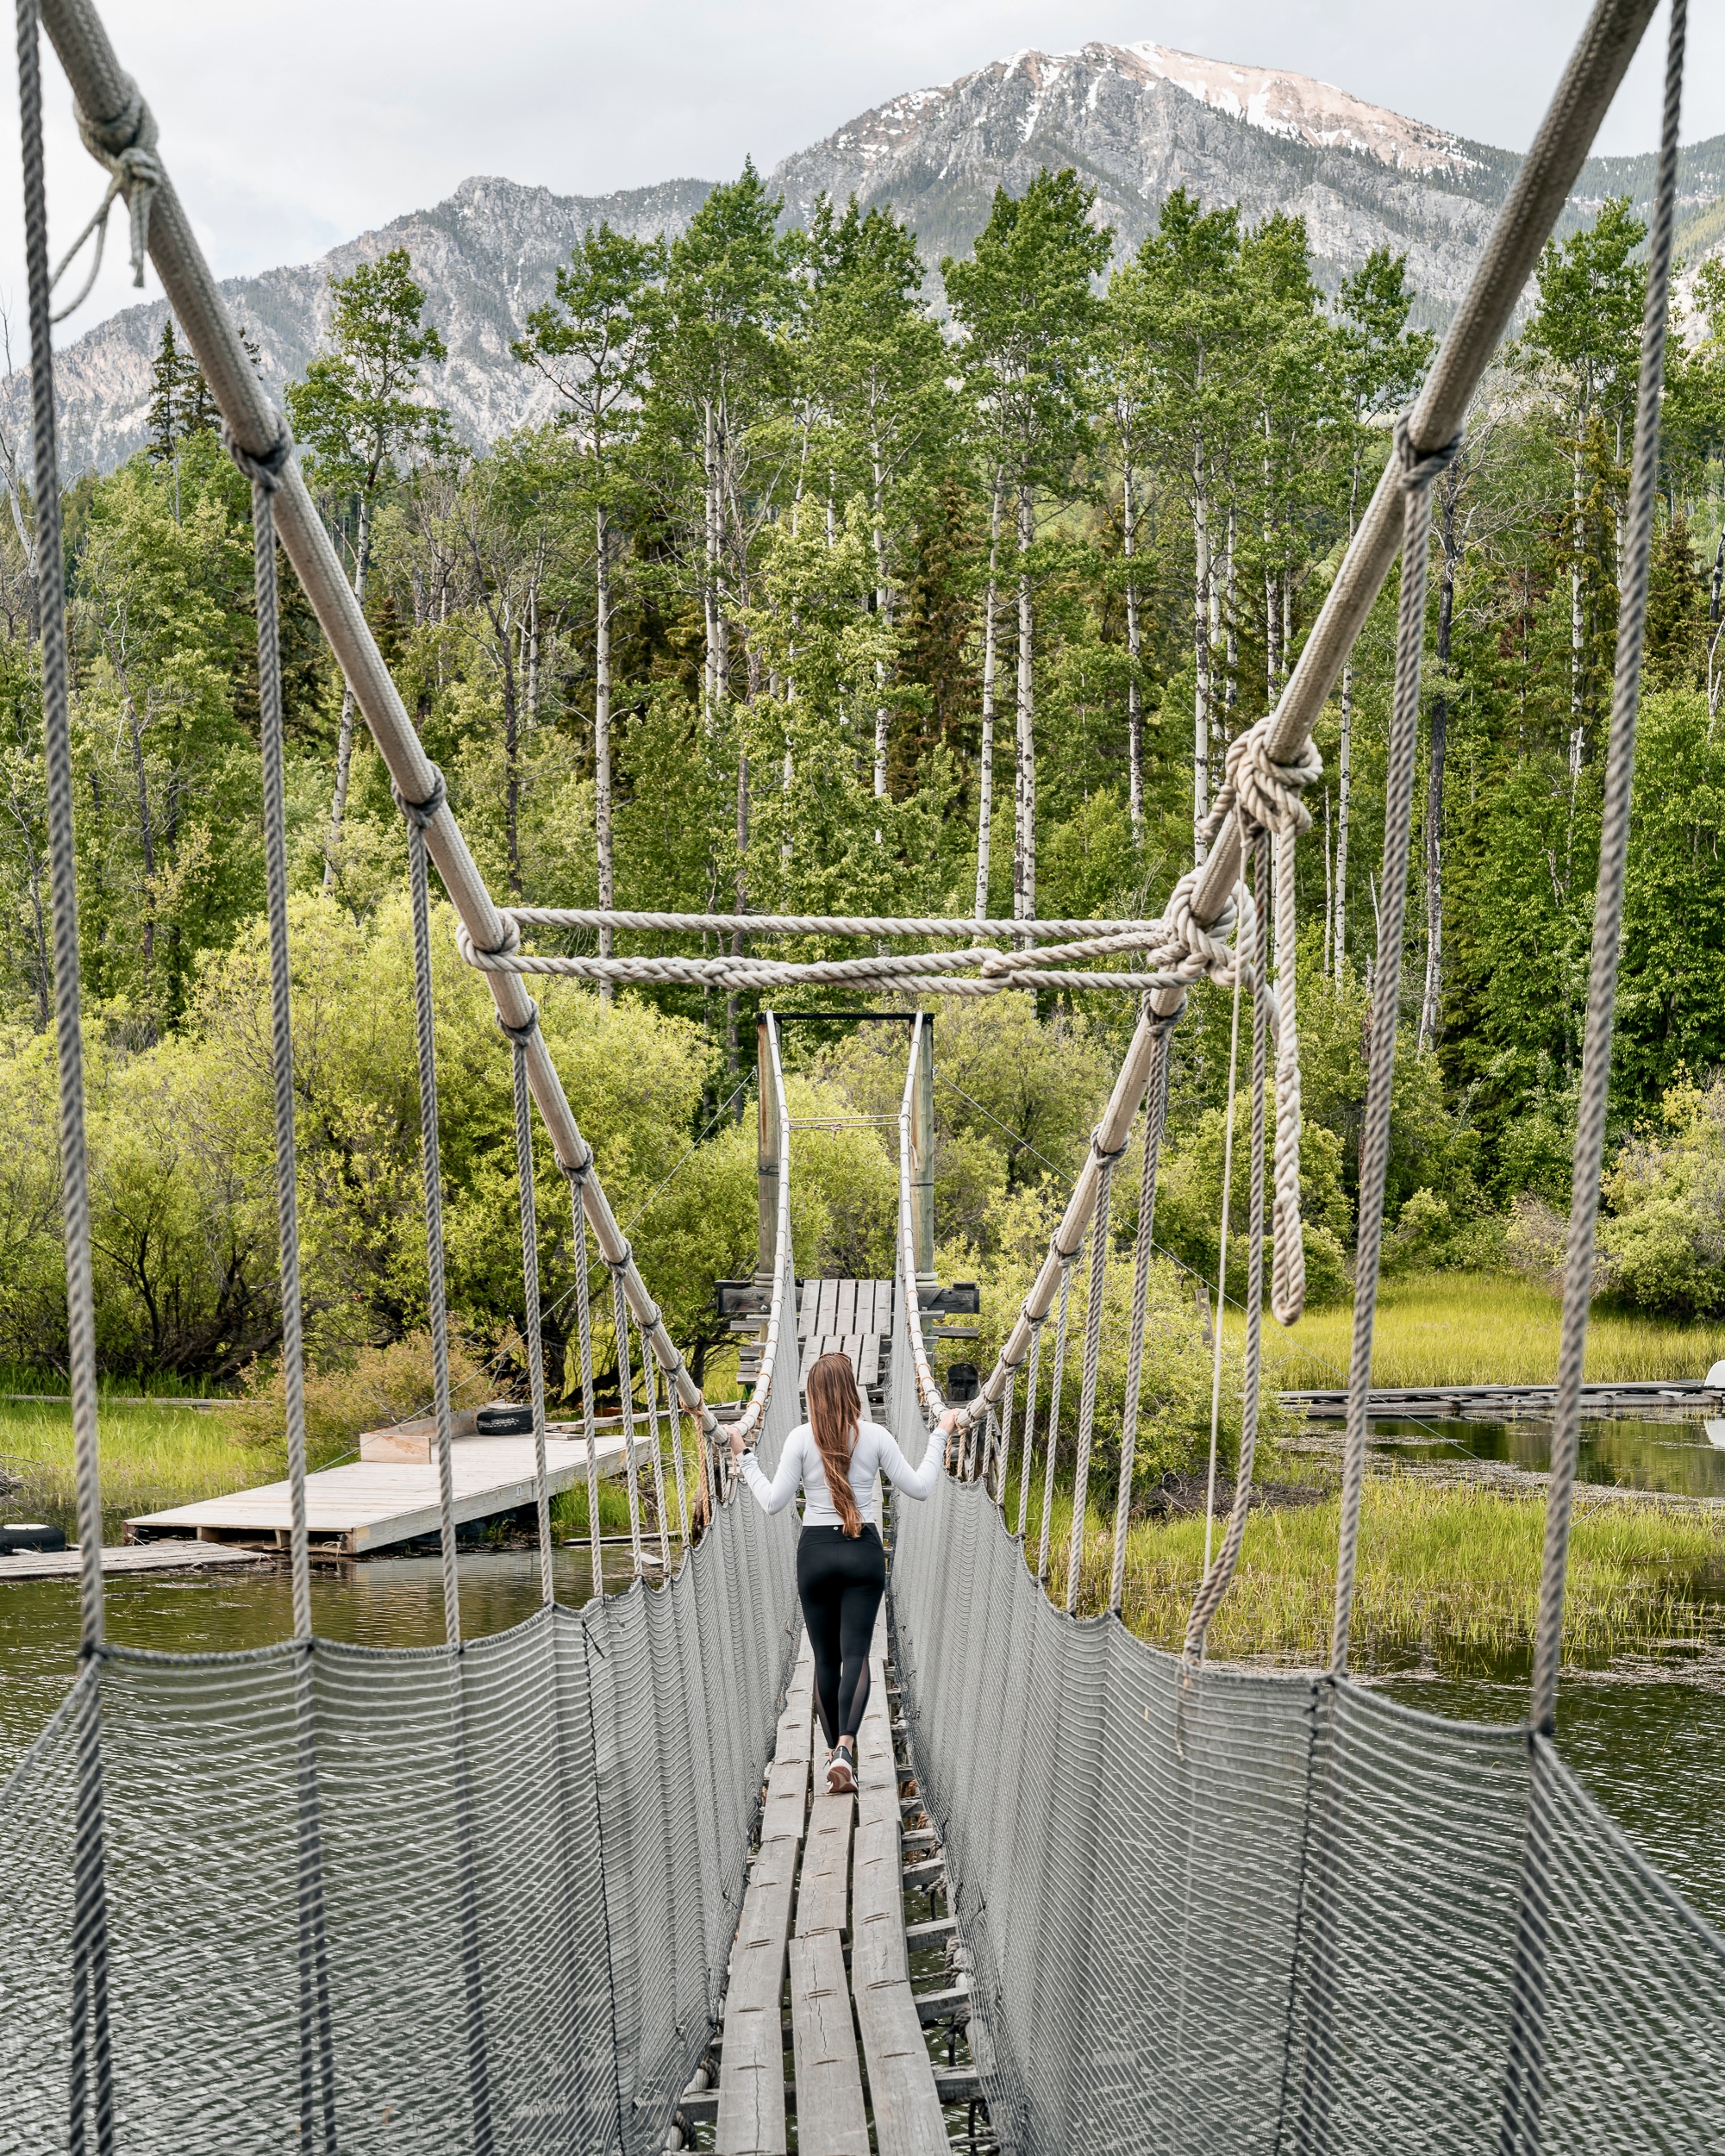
<point>767,1111</point>
<point>922,1153</point>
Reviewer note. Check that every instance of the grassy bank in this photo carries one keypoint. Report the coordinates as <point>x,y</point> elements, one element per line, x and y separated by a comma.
<point>1445,1574</point>
<point>1479,1328</point>
<point>151,1456</point>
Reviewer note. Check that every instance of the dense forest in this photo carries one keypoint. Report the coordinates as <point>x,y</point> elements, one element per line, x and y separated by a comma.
<point>833,587</point>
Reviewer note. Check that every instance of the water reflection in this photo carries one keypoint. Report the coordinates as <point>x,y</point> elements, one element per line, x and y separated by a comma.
<point>1632,1451</point>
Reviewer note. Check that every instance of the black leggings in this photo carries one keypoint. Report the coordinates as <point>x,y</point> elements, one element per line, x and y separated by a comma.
<point>840,1582</point>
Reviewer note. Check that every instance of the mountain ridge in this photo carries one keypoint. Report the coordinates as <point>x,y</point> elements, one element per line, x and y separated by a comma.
<point>1134,121</point>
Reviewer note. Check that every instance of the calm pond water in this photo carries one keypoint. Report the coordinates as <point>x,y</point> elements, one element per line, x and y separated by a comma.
<point>1646,1734</point>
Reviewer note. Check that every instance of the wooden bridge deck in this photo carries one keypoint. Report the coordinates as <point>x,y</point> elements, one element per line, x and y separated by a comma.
<point>368,1504</point>
<point>856,2032</point>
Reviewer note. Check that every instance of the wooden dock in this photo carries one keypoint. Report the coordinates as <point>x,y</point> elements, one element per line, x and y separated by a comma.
<point>858,2054</point>
<point>176,1555</point>
<point>370,1504</point>
<point>1665,1400</point>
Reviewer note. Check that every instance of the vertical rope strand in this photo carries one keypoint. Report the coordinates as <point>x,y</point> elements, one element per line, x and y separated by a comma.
<point>1386,995</point>
<point>1030,1424</point>
<point>1098,1277</point>
<point>91,2072</point>
<point>1004,1462</point>
<point>1520,2126</point>
<point>649,1380</point>
<point>675,1415</point>
<point>424,1012</point>
<point>1051,1444</point>
<point>316,2034</point>
<point>1155,1118</point>
<point>1217,1580</point>
<point>584,1332</point>
<point>530,1271</point>
<point>1222,1266</point>
<point>620,1318</point>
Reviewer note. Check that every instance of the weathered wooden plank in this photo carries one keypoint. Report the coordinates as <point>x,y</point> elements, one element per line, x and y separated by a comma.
<point>830,2117</point>
<point>823,1895</point>
<point>787,1777</point>
<point>901,2081</point>
<point>751,2082</point>
<point>877,1768</point>
<point>829,1296</point>
<point>134,1557</point>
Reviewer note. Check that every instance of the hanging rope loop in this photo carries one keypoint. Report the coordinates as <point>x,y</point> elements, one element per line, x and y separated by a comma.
<point>125,145</point>
<point>423,814</point>
<point>264,470</point>
<point>1267,795</point>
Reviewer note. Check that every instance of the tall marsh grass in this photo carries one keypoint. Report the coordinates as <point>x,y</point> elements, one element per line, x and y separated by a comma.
<point>1443,1573</point>
<point>1450,1328</point>
<point>151,1458</point>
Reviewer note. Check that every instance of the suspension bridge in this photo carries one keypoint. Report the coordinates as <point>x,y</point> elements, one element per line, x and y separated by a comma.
<point>564,1888</point>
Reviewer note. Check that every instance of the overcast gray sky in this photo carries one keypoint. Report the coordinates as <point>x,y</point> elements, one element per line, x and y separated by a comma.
<point>292,124</point>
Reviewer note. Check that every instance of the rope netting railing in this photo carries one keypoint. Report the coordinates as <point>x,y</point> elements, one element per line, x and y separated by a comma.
<point>1216,1908</point>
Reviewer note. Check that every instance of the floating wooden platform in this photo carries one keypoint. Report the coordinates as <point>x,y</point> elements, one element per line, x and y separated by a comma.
<point>856,2032</point>
<point>1667,1398</point>
<point>369,1504</point>
<point>175,1555</point>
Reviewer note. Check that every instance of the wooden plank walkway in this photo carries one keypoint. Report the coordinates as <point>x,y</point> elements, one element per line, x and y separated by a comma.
<point>368,1504</point>
<point>849,1887</point>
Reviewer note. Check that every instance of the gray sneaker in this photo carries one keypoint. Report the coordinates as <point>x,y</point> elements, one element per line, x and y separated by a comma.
<point>841,1775</point>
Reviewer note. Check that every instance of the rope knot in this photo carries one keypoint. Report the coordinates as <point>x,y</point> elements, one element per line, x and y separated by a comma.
<point>265,469</point>
<point>619,1265</point>
<point>126,143</point>
<point>1267,795</point>
<point>423,814</point>
<point>1420,467</point>
<point>496,959</point>
<point>522,1033</point>
<point>1214,955</point>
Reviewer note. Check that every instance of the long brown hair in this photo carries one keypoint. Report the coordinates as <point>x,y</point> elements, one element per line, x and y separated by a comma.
<point>835,1418</point>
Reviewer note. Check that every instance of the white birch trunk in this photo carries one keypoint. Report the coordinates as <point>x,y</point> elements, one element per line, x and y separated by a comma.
<point>1024,836</point>
<point>985,775</point>
<point>344,738</point>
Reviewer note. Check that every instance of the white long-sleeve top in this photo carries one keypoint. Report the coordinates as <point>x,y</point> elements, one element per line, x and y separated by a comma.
<point>876,1450</point>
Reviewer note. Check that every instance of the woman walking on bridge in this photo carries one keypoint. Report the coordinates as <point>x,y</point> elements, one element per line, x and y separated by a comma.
<point>840,1565</point>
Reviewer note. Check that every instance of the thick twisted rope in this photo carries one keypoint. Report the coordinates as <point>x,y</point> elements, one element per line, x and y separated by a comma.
<point>125,145</point>
<point>89,2082</point>
<point>1417,474</point>
<point>583,1329</point>
<point>650,1387</point>
<point>1098,1276</point>
<point>1155,1119</point>
<point>1029,1425</point>
<point>804,924</point>
<point>1519,2124</point>
<point>519,1037</point>
<point>1053,1443</point>
<point>619,1321</point>
<point>318,2055</point>
<point>1220,1575</point>
<point>418,814</point>
<point>1003,1462</point>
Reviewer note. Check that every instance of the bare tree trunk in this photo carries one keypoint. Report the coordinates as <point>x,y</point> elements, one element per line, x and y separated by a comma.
<point>741,895</point>
<point>601,734</point>
<point>709,593</point>
<point>1576,636</point>
<point>985,774</point>
<point>1024,835</point>
<point>344,739</point>
<point>1232,624</point>
<point>883,601</point>
<point>1344,775</point>
<point>1716,674</point>
<point>146,836</point>
<point>1134,648</point>
<point>1201,648</point>
<point>1328,886</point>
<point>512,747</point>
